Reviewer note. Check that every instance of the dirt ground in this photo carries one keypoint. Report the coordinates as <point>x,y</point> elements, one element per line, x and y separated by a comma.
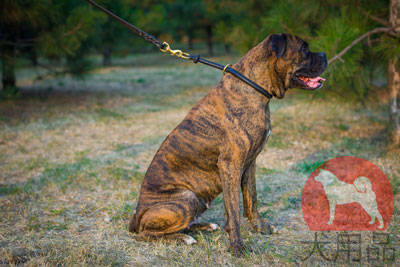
<point>73,153</point>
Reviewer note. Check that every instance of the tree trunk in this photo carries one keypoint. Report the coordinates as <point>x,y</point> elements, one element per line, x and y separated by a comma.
<point>209,40</point>
<point>33,57</point>
<point>107,57</point>
<point>227,48</point>
<point>8,66</point>
<point>190,40</point>
<point>394,79</point>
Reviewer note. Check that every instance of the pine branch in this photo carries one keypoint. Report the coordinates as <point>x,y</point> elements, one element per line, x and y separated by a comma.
<point>375,18</point>
<point>77,27</point>
<point>388,30</point>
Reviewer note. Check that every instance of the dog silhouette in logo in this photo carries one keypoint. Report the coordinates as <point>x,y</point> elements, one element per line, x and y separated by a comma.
<point>339,193</point>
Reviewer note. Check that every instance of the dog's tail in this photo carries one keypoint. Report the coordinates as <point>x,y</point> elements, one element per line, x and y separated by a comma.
<point>363,184</point>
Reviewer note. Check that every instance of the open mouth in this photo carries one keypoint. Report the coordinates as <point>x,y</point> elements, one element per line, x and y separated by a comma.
<point>310,83</point>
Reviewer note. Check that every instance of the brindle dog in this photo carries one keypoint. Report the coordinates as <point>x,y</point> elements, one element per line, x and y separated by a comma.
<point>214,148</point>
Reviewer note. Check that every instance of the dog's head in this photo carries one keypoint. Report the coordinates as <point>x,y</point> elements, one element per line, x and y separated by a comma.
<point>324,177</point>
<point>292,65</point>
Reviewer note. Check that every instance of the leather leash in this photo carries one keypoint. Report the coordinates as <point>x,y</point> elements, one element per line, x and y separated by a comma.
<point>164,47</point>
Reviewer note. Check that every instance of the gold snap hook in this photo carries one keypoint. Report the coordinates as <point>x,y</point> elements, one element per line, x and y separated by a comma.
<point>177,52</point>
<point>166,47</point>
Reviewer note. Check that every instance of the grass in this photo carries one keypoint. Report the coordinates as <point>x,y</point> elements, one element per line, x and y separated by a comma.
<point>307,167</point>
<point>72,160</point>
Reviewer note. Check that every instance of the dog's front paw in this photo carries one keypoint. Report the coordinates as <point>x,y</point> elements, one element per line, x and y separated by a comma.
<point>188,240</point>
<point>212,227</point>
<point>238,249</point>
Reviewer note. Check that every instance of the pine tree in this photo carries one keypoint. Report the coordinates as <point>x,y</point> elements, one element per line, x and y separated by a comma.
<point>16,32</point>
<point>182,17</point>
<point>46,28</point>
<point>110,35</point>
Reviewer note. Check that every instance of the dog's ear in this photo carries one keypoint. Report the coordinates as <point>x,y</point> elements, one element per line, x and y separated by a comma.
<point>276,43</point>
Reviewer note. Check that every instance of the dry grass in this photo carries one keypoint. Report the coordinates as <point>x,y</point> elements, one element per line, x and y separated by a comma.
<point>74,152</point>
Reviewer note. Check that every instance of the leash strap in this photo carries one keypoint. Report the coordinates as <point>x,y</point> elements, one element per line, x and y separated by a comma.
<point>148,37</point>
<point>164,47</point>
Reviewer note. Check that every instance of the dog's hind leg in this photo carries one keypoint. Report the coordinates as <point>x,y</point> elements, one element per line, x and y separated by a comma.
<point>371,207</point>
<point>380,220</point>
<point>375,215</point>
<point>164,220</point>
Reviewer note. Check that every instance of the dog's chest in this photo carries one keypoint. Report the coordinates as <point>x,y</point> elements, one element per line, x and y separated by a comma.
<point>262,134</point>
<point>264,141</point>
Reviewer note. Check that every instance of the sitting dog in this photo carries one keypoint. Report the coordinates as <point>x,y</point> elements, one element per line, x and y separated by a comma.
<point>214,148</point>
<point>339,192</point>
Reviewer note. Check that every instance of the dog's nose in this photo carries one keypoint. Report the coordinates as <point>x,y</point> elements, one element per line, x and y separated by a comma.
<point>322,55</point>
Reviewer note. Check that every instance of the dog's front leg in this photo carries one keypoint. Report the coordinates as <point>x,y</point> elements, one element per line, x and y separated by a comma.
<point>332,207</point>
<point>249,192</point>
<point>230,166</point>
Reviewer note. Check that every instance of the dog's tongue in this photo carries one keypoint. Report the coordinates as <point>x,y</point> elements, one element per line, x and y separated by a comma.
<point>312,82</point>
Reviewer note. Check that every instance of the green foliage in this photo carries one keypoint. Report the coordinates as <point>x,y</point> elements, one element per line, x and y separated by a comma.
<point>17,12</point>
<point>244,36</point>
<point>46,28</point>
<point>307,167</point>
<point>150,19</point>
<point>55,29</point>
<point>68,37</point>
<point>78,64</point>
<point>387,47</point>
<point>328,27</point>
<point>241,23</point>
<point>109,34</point>
<point>294,17</point>
<point>333,36</point>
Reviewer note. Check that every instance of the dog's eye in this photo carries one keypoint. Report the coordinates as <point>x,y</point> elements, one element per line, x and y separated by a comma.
<point>304,48</point>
